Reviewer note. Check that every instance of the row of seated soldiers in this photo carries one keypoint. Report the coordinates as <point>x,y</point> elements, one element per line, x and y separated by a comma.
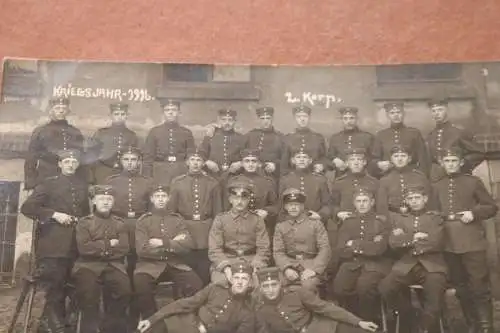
<point>365,223</point>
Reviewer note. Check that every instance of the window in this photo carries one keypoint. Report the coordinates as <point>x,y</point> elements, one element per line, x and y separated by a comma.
<point>9,204</point>
<point>390,74</point>
<point>20,80</point>
<point>187,73</point>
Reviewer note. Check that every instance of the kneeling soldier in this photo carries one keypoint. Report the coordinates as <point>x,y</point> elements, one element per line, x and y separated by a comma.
<point>161,237</point>
<point>291,309</point>
<point>362,243</point>
<point>219,307</point>
<point>419,235</point>
<point>238,233</point>
<point>301,247</point>
<point>102,241</point>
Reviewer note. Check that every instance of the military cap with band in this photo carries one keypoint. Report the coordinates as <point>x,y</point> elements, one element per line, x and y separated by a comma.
<point>159,188</point>
<point>293,195</point>
<point>132,150</point>
<point>415,189</point>
<point>268,274</point>
<point>248,152</point>
<point>227,112</point>
<point>101,190</point>
<point>241,182</point>
<point>394,105</point>
<point>294,151</point>
<point>69,153</point>
<point>199,152</point>
<point>241,266</point>
<point>59,101</point>
<point>400,149</point>
<point>363,191</point>
<point>355,151</point>
<point>164,102</point>
<point>452,151</point>
<point>264,110</point>
<point>301,108</point>
<point>348,109</point>
<point>437,101</point>
<point>118,107</point>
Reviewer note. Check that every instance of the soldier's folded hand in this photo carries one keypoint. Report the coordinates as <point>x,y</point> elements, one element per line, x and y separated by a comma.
<point>349,243</point>
<point>212,166</point>
<point>180,237</point>
<point>113,242</point>
<point>368,326</point>
<point>384,165</point>
<point>318,168</point>
<point>202,328</point>
<point>339,164</point>
<point>269,167</point>
<point>62,218</point>
<point>143,325</point>
<point>235,166</point>
<point>307,274</point>
<point>397,232</point>
<point>314,215</point>
<point>291,274</point>
<point>155,242</point>
<point>228,273</point>
<point>210,130</point>
<point>466,216</point>
<point>378,238</point>
<point>420,235</point>
<point>261,212</point>
<point>344,215</point>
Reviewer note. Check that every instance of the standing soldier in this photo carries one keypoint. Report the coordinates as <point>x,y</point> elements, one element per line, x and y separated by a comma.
<point>391,192</point>
<point>399,134</point>
<point>237,234</point>
<point>290,309</point>
<point>419,237</point>
<point>466,204</point>
<point>362,243</point>
<point>313,185</point>
<point>47,141</point>
<point>166,146</point>
<point>268,141</point>
<point>304,138</point>
<point>347,139</point>
<point>102,241</point>
<point>197,197</point>
<point>264,198</point>
<point>131,196</point>
<point>301,248</point>
<point>55,204</point>
<point>446,135</point>
<point>219,307</point>
<point>108,143</point>
<point>224,146</point>
<point>161,240</point>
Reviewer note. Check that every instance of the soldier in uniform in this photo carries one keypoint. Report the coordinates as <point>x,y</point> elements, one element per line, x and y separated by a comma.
<point>166,146</point>
<point>347,139</point>
<point>218,308</point>
<point>391,192</point>
<point>107,144</point>
<point>267,140</point>
<point>399,134</point>
<point>237,234</point>
<point>102,241</point>
<point>466,204</point>
<point>419,237</point>
<point>161,240</point>
<point>301,248</point>
<point>131,196</point>
<point>264,197</point>
<point>224,146</point>
<point>313,185</point>
<point>55,205</point>
<point>446,135</point>
<point>290,309</point>
<point>197,197</point>
<point>47,141</point>
<point>363,244</point>
<point>305,138</point>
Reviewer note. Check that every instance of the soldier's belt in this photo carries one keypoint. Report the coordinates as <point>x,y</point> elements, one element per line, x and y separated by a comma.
<point>168,158</point>
<point>301,256</point>
<point>196,217</point>
<point>452,217</point>
<point>129,215</point>
<point>240,253</point>
<point>400,210</point>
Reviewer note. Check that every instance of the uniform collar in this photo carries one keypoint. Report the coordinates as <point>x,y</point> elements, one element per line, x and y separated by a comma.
<point>236,215</point>
<point>59,122</point>
<point>171,124</point>
<point>402,170</point>
<point>102,215</point>
<point>119,125</point>
<point>443,125</point>
<point>370,214</point>
<point>418,213</point>
<point>130,173</point>
<point>301,218</point>
<point>160,212</point>
<point>357,175</point>
<point>302,172</point>
<point>267,130</point>
<point>303,130</point>
<point>398,126</point>
<point>351,131</point>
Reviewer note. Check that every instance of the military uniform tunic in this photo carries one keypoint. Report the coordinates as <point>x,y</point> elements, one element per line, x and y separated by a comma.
<point>223,147</point>
<point>270,144</point>
<point>165,152</point>
<point>45,143</point>
<point>306,140</point>
<point>343,189</point>
<point>345,140</point>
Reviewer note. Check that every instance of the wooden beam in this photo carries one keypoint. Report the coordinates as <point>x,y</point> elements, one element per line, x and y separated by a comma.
<point>210,91</point>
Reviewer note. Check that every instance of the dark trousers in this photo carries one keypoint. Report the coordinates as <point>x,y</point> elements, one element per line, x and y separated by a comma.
<point>357,290</point>
<point>199,262</point>
<point>116,291</point>
<point>186,283</point>
<point>52,275</point>
<point>434,287</point>
<point>469,275</point>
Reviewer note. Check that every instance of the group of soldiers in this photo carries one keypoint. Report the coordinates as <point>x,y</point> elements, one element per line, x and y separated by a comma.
<point>253,235</point>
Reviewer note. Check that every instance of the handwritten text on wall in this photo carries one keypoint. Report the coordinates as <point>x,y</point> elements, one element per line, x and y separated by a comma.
<point>326,100</point>
<point>132,95</point>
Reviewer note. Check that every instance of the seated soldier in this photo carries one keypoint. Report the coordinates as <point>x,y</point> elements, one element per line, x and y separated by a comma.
<point>301,247</point>
<point>313,185</point>
<point>363,244</point>
<point>219,307</point>
<point>281,309</point>
<point>161,239</point>
<point>419,235</point>
<point>102,241</point>
<point>237,234</point>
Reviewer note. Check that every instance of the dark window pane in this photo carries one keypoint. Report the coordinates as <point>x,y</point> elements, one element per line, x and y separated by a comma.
<point>187,73</point>
<point>418,73</point>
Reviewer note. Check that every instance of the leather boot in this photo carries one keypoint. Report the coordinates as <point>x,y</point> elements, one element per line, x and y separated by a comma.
<point>55,320</point>
<point>470,315</point>
<point>485,317</point>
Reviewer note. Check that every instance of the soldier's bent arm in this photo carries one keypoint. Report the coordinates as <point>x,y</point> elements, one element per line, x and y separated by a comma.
<point>183,245</point>
<point>216,245</point>
<point>279,248</point>
<point>263,245</point>
<point>123,247</point>
<point>423,156</point>
<point>247,322</point>
<point>326,202</point>
<point>34,206</point>
<point>30,163</point>
<point>142,239</point>
<point>486,206</point>
<point>400,241</point>
<point>322,259</point>
<point>435,239</point>
<point>318,306</point>
<point>149,154</point>
<point>216,200</point>
<point>184,305</point>
<point>86,242</point>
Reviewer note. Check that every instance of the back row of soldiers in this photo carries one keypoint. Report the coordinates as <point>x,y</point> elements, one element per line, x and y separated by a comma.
<point>222,209</point>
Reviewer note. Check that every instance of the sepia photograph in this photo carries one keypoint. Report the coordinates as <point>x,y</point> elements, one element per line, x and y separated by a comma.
<point>205,198</point>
